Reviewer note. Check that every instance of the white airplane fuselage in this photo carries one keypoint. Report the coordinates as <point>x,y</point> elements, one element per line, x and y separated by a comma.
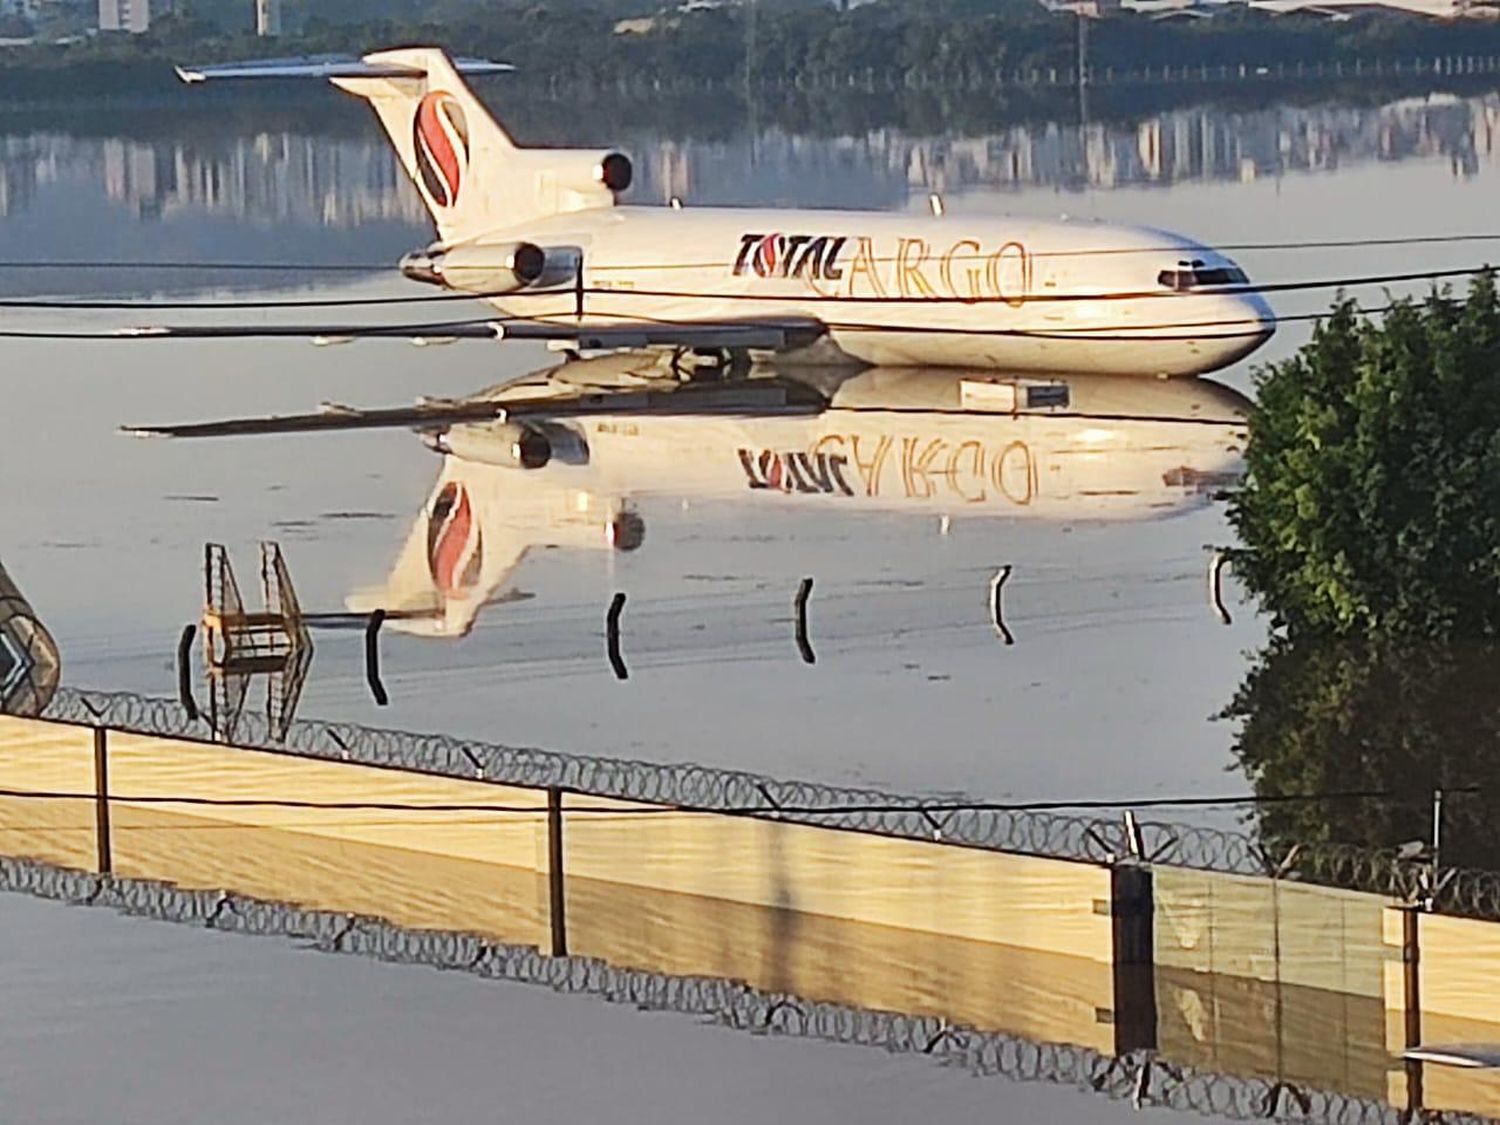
<point>968,446</point>
<point>542,235</point>
<point>1009,294</point>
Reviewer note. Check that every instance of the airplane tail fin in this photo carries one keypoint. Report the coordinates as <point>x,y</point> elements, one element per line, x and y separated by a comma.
<point>472,176</point>
<point>454,563</point>
<point>456,153</point>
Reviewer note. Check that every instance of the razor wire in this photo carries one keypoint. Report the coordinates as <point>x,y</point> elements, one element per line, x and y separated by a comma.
<point>684,786</point>
<point>1142,1077</point>
<point>699,788</point>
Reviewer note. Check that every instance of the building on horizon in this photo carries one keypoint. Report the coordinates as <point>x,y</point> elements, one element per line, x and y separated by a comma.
<point>267,18</point>
<point>133,16</point>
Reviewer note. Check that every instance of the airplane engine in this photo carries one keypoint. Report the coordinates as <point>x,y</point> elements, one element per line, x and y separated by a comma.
<point>506,444</point>
<point>502,267</point>
<point>573,179</point>
<point>494,268</point>
<point>585,171</point>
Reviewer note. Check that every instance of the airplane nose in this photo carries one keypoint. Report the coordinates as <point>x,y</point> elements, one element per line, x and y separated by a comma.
<point>1243,323</point>
<point>1256,308</point>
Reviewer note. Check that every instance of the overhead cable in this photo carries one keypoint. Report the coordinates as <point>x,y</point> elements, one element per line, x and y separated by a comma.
<point>781,299</point>
<point>370,267</point>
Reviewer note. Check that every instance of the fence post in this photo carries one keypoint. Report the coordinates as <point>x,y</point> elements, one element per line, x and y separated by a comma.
<point>557,900</point>
<point>1411,975</point>
<point>1133,922</point>
<point>101,802</point>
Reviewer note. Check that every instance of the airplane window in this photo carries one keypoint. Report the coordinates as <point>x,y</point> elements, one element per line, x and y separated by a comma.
<point>1191,278</point>
<point>1226,275</point>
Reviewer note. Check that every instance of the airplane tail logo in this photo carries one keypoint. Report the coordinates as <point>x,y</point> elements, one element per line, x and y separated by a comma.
<point>440,139</point>
<point>455,547</point>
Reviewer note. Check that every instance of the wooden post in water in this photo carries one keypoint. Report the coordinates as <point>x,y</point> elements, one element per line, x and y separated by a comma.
<point>557,898</point>
<point>1411,974</point>
<point>105,857</point>
<point>1133,922</point>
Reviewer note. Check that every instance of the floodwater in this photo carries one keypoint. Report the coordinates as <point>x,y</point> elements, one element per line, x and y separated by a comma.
<point>1119,664</point>
<point>1109,691</point>
<point>158,1023</point>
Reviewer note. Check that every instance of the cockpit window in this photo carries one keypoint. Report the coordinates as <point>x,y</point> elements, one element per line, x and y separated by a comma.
<point>1194,274</point>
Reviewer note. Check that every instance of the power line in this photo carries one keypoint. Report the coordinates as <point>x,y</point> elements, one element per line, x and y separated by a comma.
<point>200,266</point>
<point>1033,297</point>
<point>783,299</point>
<point>369,267</point>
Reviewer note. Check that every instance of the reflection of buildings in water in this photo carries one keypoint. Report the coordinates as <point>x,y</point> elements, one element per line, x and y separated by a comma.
<point>1204,143</point>
<point>1179,145</point>
<point>273,177</point>
<point>270,176</point>
<point>26,164</point>
<point>285,176</point>
<point>883,442</point>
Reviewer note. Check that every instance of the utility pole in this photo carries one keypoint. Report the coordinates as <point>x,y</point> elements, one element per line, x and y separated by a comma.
<point>1083,65</point>
<point>750,9</point>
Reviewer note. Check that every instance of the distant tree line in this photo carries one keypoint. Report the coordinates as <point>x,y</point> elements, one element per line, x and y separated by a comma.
<point>934,42</point>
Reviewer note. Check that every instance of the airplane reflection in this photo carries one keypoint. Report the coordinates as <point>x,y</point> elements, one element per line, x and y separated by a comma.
<point>885,440</point>
<point>30,665</point>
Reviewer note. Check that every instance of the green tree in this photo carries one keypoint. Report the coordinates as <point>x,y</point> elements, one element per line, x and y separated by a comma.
<point>1371,502</point>
<point>1354,715</point>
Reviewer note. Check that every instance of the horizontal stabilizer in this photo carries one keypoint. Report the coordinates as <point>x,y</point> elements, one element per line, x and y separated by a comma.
<point>327,67</point>
<point>756,399</point>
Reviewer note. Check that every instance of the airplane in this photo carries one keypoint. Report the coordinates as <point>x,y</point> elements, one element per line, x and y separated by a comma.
<point>621,430</point>
<point>541,235</point>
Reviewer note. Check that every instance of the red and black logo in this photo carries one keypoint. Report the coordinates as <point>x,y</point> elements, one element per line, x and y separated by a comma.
<point>440,138</point>
<point>796,471</point>
<point>790,255</point>
<point>455,548</point>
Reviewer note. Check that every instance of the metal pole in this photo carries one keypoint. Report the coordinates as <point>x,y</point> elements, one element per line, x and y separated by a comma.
<point>101,802</point>
<point>804,646</point>
<point>997,604</point>
<point>1437,833</point>
<point>185,672</point>
<point>372,658</point>
<point>612,637</point>
<point>557,901</point>
<point>1216,565</point>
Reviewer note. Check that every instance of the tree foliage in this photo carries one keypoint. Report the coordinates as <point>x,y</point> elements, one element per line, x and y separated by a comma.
<point>925,43</point>
<point>1356,715</point>
<point>1371,503</point>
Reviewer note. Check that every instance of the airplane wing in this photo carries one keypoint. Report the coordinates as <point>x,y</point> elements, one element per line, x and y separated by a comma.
<point>771,397</point>
<point>771,333</point>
